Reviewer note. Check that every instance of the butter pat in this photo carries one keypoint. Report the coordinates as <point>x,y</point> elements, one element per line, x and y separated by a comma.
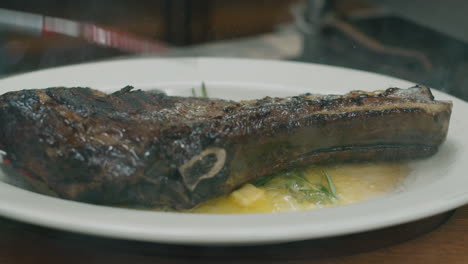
<point>247,195</point>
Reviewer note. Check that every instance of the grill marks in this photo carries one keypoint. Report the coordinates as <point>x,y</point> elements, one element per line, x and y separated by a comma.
<point>141,148</point>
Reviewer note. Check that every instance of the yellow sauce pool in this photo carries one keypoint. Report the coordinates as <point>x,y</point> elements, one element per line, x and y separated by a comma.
<point>354,183</point>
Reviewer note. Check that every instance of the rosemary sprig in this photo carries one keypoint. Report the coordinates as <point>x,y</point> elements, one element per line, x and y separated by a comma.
<point>194,93</point>
<point>299,187</point>
<point>331,185</point>
<point>203,90</point>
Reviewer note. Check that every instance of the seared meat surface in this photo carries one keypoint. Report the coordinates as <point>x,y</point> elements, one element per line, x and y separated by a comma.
<point>141,148</point>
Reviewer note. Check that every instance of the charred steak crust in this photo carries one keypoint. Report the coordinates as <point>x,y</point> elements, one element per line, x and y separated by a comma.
<point>139,148</point>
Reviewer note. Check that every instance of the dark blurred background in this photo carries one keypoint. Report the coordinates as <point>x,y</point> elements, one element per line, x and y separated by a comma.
<point>422,41</point>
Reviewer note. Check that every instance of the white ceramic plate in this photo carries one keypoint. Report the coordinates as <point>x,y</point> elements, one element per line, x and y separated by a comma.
<point>436,185</point>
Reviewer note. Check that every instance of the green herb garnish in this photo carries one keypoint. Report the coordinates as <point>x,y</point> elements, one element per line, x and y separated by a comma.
<point>299,187</point>
<point>331,185</point>
<point>204,91</point>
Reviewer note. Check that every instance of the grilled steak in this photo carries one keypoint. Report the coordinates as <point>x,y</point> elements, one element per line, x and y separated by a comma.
<point>140,148</point>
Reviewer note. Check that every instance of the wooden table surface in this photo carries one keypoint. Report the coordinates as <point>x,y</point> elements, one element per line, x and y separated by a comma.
<point>439,239</point>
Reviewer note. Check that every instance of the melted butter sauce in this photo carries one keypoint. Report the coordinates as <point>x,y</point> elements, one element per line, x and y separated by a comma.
<point>354,183</point>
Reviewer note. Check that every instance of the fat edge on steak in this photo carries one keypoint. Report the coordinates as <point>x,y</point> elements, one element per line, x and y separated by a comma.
<point>139,148</point>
